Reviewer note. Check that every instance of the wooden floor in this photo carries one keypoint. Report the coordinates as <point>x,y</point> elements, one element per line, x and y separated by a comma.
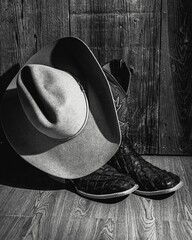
<point>35,207</point>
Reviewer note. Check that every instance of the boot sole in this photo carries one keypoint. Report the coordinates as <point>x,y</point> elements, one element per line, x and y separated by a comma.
<point>160,192</point>
<point>107,196</point>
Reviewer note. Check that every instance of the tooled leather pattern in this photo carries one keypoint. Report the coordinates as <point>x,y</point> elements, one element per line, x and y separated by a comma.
<point>104,181</point>
<point>146,175</point>
<point>120,100</point>
<point>128,161</point>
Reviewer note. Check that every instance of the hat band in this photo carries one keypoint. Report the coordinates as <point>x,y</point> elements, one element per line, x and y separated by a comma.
<point>86,117</point>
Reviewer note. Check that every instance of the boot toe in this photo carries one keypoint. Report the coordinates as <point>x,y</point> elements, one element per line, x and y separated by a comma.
<point>105,183</point>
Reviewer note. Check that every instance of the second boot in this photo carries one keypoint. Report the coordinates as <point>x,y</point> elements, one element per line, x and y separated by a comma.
<point>151,179</point>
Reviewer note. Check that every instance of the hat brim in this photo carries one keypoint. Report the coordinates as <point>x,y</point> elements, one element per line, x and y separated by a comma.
<point>96,143</point>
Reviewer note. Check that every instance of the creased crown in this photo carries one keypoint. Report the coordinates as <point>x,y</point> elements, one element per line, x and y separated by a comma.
<point>52,100</point>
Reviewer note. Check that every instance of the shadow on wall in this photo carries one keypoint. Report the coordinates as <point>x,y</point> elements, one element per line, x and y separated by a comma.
<point>6,78</point>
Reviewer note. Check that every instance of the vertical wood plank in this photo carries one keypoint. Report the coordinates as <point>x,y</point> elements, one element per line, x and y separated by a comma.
<point>153,37</point>
<point>176,78</point>
<point>113,6</point>
<point>144,88</point>
<point>26,26</point>
<point>128,30</point>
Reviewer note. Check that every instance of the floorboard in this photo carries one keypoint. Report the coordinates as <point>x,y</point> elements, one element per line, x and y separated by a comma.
<point>60,214</point>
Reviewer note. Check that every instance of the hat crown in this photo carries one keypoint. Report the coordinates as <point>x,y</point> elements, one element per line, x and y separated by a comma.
<point>52,100</point>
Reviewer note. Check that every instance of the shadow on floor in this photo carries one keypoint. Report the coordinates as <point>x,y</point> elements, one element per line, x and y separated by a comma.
<point>16,172</point>
<point>158,197</point>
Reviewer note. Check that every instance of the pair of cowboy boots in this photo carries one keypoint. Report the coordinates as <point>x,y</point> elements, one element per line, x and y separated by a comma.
<point>127,171</point>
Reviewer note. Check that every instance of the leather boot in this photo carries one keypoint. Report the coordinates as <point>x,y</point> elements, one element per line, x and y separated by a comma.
<point>151,179</point>
<point>105,183</point>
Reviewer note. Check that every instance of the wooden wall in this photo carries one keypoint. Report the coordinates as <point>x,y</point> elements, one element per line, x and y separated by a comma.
<point>154,37</point>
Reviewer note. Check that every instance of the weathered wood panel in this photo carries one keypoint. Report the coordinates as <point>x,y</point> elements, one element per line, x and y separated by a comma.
<point>128,30</point>
<point>154,39</point>
<point>113,6</point>
<point>26,26</point>
<point>176,78</point>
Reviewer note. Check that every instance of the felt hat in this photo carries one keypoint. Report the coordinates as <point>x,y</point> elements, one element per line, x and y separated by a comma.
<point>58,112</point>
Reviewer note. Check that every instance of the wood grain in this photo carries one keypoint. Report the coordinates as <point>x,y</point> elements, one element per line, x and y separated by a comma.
<point>118,7</point>
<point>176,78</point>
<point>25,200</point>
<point>27,26</point>
<point>120,31</point>
<point>14,227</point>
<point>154,39</point>
<point>62,214</point>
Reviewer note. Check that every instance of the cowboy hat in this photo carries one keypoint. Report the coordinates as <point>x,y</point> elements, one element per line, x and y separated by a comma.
<point>58,112</point>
